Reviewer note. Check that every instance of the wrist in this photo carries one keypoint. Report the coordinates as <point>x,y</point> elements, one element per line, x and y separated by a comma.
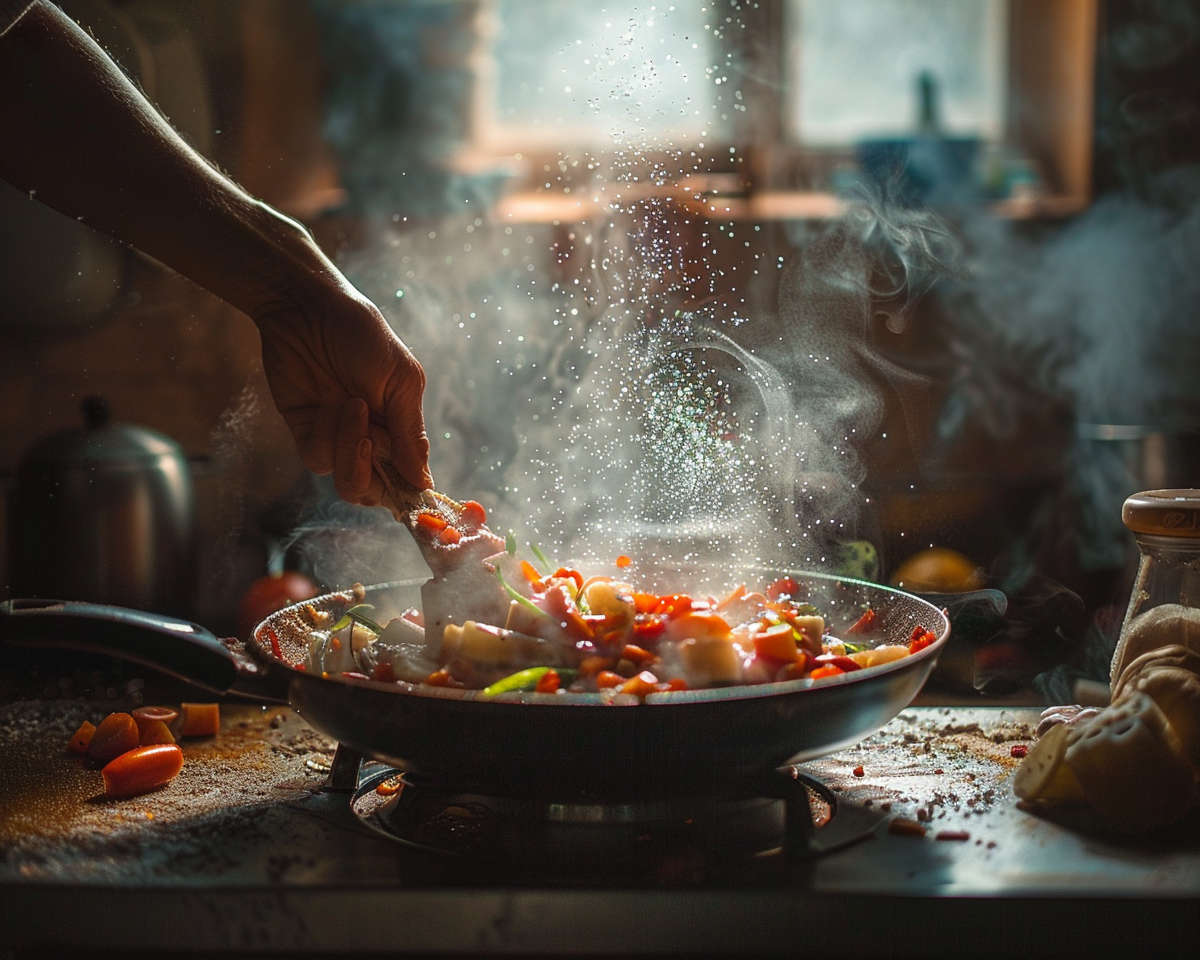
<point>284,270</point>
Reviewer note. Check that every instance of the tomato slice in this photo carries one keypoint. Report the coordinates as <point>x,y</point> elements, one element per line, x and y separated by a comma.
<point>866,623</point>
<point>474,514</point>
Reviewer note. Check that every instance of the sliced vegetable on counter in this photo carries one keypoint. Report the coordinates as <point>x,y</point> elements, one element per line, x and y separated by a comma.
<point>82,737</point>
<point>141,770</point>
<point>200,720</point>
<point>116,734</point>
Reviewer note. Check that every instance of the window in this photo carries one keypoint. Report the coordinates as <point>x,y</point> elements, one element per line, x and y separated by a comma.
<point>775,101</point>
<point>855,68</point>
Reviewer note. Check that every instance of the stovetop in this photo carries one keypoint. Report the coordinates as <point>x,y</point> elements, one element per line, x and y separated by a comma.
<point>248,851</point>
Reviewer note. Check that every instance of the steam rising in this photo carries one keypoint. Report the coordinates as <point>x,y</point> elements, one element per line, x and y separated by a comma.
<point>631,393</point>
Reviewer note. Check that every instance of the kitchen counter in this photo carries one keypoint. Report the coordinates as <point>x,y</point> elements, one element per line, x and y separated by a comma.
<point>246,853</point>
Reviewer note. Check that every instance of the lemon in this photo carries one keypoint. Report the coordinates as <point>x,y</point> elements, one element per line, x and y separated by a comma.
<point>938,570</point>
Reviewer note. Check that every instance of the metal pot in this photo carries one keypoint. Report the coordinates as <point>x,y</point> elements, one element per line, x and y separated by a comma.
<point>104,512</point>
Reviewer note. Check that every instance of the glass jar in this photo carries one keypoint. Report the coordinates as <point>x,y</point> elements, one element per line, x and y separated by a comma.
<point>1166,526</point>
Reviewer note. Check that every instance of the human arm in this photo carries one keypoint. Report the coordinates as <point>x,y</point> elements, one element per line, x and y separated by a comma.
<point>77,135</point>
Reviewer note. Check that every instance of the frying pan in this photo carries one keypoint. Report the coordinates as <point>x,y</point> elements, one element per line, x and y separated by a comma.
<point>547,744</point>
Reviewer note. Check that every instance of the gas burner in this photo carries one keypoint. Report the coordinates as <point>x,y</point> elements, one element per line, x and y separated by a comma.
<point>785,814</point>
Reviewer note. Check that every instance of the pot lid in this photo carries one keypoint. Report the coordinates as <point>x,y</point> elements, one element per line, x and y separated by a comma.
<point>100,441</point>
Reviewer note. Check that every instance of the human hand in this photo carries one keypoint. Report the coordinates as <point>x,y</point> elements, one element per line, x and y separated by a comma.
<point>346,385</point>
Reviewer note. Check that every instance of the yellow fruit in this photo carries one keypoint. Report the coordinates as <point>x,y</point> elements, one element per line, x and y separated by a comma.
<point>938,570</point>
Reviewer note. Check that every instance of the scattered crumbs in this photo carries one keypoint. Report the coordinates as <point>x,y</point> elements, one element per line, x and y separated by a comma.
<point>901,827</point>
<point>952,835</point>
<point>991,844</point>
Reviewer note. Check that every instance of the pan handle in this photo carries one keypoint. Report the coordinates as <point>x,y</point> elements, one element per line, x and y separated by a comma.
<point>180,648</point>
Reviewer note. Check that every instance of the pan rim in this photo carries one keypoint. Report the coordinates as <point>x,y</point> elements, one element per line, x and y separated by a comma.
<point>681,698</point>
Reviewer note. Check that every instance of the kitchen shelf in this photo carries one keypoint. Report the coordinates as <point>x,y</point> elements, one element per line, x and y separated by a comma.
<point>537,207</point>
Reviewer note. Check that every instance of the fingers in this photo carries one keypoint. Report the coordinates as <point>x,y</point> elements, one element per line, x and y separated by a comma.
<point>406,427</point>
<point>354,477</point>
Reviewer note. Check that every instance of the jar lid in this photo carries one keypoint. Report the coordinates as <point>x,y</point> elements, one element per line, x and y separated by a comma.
<point>1164,513</point>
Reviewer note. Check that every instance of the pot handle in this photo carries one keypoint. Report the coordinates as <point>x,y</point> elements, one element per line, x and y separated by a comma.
<point>180,648</point>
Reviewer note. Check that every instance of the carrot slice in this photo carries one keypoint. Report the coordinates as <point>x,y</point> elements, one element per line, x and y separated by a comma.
<point>449,535</point>
<point>154,731</point>
<point>82,737</point>
<point>642,685</point>
<point>623,561</point>
<point>432,522</point>
<point>200,720</point>
<point>141,769</point>
<point>116,734</point>
<point>162,714</point>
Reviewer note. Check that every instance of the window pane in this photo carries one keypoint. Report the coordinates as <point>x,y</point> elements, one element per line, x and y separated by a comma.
<point>585,74</point>
<point>855,67</point>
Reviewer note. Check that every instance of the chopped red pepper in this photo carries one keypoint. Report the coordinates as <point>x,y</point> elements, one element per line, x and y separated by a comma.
<point>920,638</point>
<point>783,587</point>
<point>645,602</point>
<point>276,650</point>
<point>647,628</point>
<point>866,623</point>
<point>674,605</point>
<point>575,575</point>
<point>828,670</point>
<point>530,572</point>
<point>1019,751</point>
<point>548,682</point>
<point>449,535</point>
<point>843,663</point>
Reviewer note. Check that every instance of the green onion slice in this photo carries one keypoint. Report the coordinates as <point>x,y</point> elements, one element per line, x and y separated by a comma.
<point>541,557</point>
<point>357,614</point>
<point>519,596</point>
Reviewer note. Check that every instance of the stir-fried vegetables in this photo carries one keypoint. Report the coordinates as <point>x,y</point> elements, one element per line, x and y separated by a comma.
<point>501,624</point>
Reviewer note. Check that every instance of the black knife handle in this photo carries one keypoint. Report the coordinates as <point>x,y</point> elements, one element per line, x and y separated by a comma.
<point>179,648</point>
